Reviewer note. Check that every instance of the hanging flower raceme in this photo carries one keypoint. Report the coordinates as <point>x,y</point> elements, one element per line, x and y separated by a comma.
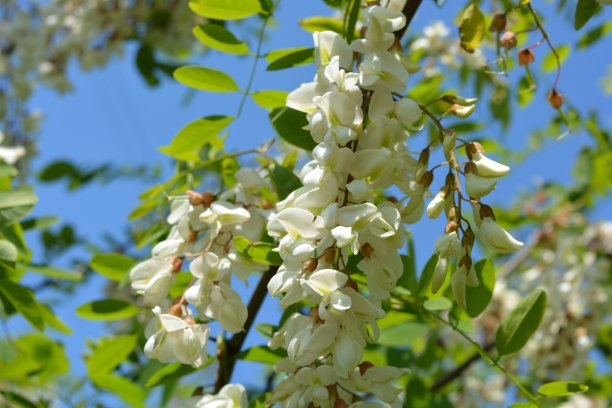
<point>361,131</point>
<point>202,230</point>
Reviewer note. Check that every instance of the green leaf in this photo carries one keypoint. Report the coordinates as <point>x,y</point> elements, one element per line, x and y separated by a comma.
<point>260,252</point>
<point>472,28</point>
<point>549,63</point>
<point>48,353</point>
<point>561,389</point>
<point>111,265</point>
<point>265,329</point>
<point>262,354</point>
<point>270,99</point>
<point>289,57</point>
<point>225,9</point>
<point>594,35</point>
<point>229,167</point>
<point>187,144</point>
<point>39,223</point>
<point>289,124</point>
<point>439,303</point>
<point>23,301</point>
<point>6,170</point>
<point>205,79</point>
<point>351,20</point>
<point>107,309</point>
<point>402,334</point>
<point>109,353</point>
<point>523,405</point>
<point>524,2</point>
<point>8,251</point>
<point>218,38</point>
<point>320,23</point>
<point>426,275</point>
<point>125,389</point>
<point>526,91</point>
<point>478,298</point>
<point>16,204</point>
<point>51,320</point>
<point>522,322</point>
<point>285,181</point>
<point>170,373</point>
<point>55,273</point>
<point>585,9</point>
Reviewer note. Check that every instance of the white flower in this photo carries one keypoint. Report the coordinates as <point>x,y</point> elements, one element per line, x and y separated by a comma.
<point>152,278</point>
<point>497,238</point>
<point>329,44</point>
<point>477,186</point>
<point>487,167</point>
<point>230,396</point>
<point>171,337</point>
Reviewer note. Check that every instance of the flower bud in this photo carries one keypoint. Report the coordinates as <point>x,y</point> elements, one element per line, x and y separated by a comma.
<point>367,250</point>
<point>177,263</point>
<point>497,238</point>
<point>498,24</point>
<point>508,40</point>
<point>525,56</point>
<point>363,367</point>
<point>451,226</point>
<point>435,206</point>
<point>176,310</point>
<point>468,238</point>
<point>488,168</point>
<point>426,179</point>
<point>439,274</point>
<point>555,99</point>
<point>449,142</point>
<point>339,403</point>
<point>462,112</point>
<point>310,265</point>
<point>476,186</point>
<point>424,157</point>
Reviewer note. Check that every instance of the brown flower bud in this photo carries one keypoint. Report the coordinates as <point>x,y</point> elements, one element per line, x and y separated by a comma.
<point>498,24</point>
<point>472,148</point>
<point>426,179</point>
<point>508,40</point>
<point>367,250</point>
<point>470,167</point>
<point>452,214</point>
<point>207,199</point>
<point>450,227</point>
<point>468,238</point>
<point>365,366</point>
<point>466,261</point>
<point>555,99</point>
<point>176,310</point>
<point>314,314</point>
<point>424,157</point>
<point>177,263</point>
<point>352,285</point>
<point>392,199</point>
<point>194,197</point>
<point>449,180</point>
<point>525,56</point>
<point>339,403</point>
<point>328,254</point>
<point>311,264</point>
<point>193,235</point>
<point>486,211</point>
<point>190,321</point>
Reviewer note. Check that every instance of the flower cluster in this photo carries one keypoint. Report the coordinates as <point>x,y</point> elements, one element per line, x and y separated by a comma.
<point>202,230</point>
<point>361,127</point>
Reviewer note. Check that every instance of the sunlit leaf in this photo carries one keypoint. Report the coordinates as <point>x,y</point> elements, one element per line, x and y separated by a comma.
<point>321,23</point>
<point>109,353</point>
<point>472,28</point>
<point>219,38</point>
<point>187,144</point>
<point>289,57</point>
<point>262,354</point>
<point>16,204</point>
<point>111,265</point>
<point>205,79</point>
<point>225,9</point>
<point>439,303</point>
<point>549,63</point>
<point>8,251</point>
<point>561,389</point>
<point>107,309</point>
<point>54,272</point>
<point>270,99</point>
<point>23,301</point>
<point>402,334</point>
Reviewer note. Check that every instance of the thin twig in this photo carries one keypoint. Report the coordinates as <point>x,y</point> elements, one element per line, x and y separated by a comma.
<point>552,48</point>
<point>409,10</point>
<point>230,349</point>
<point>459,370</point>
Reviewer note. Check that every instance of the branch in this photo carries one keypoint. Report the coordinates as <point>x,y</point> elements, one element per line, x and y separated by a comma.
<point>459,370</point>
<point>409,10</point>
<point>228,352</point>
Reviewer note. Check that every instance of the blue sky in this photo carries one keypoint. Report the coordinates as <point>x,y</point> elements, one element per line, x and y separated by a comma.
<point>113,117</point>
